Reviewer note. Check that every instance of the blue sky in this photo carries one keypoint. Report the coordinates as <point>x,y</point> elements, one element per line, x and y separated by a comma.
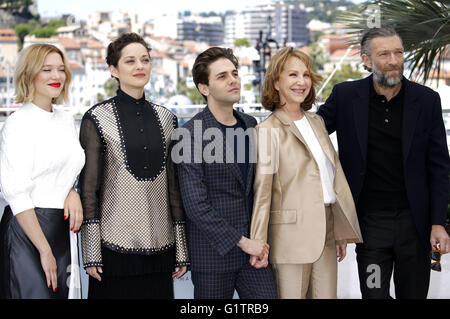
<point>145,8</point>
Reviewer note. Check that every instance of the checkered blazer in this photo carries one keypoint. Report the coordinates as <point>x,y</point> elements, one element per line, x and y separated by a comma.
<point>217,203</point>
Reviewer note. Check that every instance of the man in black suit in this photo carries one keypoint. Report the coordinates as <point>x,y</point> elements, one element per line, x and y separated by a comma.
<point>216,173</point>
<point>392,146</point>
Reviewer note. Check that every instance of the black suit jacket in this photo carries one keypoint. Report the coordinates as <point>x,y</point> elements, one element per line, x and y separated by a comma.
<point>217,202</point>
<point>424,146</point>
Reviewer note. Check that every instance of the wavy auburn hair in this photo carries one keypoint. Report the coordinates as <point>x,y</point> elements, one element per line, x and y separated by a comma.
<point>270,97</point>
<point>30,63</point>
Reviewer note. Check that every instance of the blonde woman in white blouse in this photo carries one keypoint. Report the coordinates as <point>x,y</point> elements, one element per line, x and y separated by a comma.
<point>40,159</point>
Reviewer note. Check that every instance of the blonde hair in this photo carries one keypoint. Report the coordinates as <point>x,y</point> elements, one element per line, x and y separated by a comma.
<point>30,63</point>
<point>270,97</point>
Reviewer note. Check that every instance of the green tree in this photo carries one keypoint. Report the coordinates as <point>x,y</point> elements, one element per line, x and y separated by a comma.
<point>21,31</point>
<point>242,42</point>
<point>423,25</point>
<point>17,7</point>
<point>192,93</point>
<point>43,32</point>
<point>111,85</point>
<point>57,23</point>
<point>34,28</point>
<point>100,97</point>
<point>318,56</point>
<point>344,74</point>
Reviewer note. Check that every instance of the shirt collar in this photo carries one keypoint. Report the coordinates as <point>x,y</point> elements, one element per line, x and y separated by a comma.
<point>375,95</point>
<point>39,111</point>
<point>127,99</point>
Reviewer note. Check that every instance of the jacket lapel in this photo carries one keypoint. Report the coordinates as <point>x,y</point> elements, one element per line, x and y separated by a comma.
<point>411,110</point>
<point>361,114</point>
<point>252,153</point>
<point>327,147</point>
<point>286,120</point>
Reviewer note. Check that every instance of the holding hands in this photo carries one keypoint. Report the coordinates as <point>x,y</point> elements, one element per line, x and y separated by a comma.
<point>257,249</point>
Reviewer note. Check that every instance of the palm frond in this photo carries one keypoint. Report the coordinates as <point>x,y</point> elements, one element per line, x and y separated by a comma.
<point>423,25</point>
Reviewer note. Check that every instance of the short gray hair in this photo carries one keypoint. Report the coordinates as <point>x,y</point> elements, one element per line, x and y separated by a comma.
<point>368,35</point>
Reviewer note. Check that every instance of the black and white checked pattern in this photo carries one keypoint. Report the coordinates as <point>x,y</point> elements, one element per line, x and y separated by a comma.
<point>182,258</point>
<point>134,212</point>
<point>90,241</point>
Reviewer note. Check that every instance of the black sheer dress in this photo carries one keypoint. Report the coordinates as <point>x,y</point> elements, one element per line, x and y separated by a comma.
<point>134,271</point>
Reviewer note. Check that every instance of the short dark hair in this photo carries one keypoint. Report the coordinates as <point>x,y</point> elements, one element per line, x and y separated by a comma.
<point>200,71</point>
<point>115,48</point>
<point>368,35</point>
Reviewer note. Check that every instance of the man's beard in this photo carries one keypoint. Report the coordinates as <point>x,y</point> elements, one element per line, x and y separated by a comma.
<point>383,79</point>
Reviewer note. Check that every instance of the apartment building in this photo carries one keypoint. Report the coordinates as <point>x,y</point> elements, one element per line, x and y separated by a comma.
<point>286,23</point>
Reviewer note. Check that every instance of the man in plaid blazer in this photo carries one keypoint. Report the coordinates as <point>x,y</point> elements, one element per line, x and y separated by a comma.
<point>216,180</point>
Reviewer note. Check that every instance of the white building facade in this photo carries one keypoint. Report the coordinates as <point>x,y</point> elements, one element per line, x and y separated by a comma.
<point>286,23</point>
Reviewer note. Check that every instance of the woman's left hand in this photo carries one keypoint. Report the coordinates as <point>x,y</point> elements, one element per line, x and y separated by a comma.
<point>73,210</point>
<point>341,251</point>
<point>179,272</point>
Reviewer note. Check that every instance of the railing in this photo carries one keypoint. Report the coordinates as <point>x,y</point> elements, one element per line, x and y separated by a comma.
<point>183,112</point>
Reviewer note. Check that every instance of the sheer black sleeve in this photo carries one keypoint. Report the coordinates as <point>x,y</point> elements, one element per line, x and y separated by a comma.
<point>89,185</point>
<point>176,207</point>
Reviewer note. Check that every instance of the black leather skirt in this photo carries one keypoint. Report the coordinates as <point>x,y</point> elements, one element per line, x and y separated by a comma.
<point>21,273</point>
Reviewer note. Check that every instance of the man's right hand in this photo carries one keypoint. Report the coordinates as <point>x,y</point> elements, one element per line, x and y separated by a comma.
<point>259,263</point>
<point>254,247</point>
<point>95,272</point>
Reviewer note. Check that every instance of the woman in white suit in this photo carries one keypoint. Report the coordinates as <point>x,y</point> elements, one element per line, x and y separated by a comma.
<point>303,206</point>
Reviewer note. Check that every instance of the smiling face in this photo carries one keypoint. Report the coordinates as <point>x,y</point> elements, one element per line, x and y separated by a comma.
<point>294,83</point>
<point>385,60</point>
<point>224,83</point>
<point>133,68</point>
<point>50,80</point>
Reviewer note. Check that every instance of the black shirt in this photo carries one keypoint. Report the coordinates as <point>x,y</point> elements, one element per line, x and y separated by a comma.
<point>384,184</point>
<point>143,139</point>
<point>241,150</point>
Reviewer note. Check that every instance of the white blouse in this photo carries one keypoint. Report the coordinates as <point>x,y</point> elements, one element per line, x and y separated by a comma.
<point>325,167</point>
<point>40,158</point>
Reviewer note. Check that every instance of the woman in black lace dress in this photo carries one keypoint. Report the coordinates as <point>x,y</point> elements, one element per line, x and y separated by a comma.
<point>133,233</point>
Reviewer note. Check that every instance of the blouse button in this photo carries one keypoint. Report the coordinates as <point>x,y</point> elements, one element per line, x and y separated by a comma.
<point>141,130</point>
<point>138,113</point>
<point>145,168</point>
<point>145,148</point>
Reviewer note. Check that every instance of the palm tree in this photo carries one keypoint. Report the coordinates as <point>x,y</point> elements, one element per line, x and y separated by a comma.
<point>423,25</point>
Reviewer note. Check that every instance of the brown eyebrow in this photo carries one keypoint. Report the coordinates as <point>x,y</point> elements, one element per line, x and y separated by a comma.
<point>51,65</point>
<point>387,50</point>
<point>132,56</point>
<point>225,72</point>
